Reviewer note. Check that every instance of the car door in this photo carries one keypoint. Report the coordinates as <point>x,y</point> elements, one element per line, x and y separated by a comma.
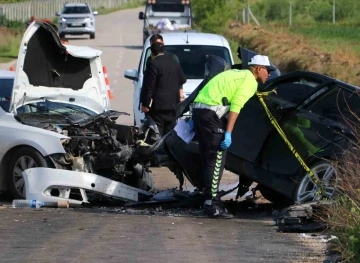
<point>252,126</point>
<point>309,126</point>
<point>138,114</point>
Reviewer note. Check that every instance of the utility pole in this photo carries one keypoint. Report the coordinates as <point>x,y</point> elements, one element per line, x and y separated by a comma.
<point>290,14</point>
<point>333,11</point>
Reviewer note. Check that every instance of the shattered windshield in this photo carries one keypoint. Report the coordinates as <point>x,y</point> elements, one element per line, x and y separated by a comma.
<point>193,58</point>
<point>76,10</point>
<point>53,108</point>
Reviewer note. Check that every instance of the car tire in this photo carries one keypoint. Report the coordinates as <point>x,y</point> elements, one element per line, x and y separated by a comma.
<point>92,36</point>
<point>22,159</point>
<point>306,190</point>
<point>274,197</point>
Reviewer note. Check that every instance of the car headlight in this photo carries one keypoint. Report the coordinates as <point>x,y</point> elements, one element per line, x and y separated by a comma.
<point>87,19</point>
<point>63,19</point>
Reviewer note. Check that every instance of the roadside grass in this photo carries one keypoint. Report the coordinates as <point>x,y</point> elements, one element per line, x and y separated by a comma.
<point>9,45</point>
<point>343,217</point>
<point>330,37</point>
<point>291,52</point>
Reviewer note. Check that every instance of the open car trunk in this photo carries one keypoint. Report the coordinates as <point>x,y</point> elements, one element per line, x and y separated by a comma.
<point>46,69</point>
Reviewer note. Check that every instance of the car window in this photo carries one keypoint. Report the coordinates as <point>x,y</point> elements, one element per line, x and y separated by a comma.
<point>168,8</point>
<point>6,86</point>
<point>54,107</point>
<point>295,89</point>
<point>76,10</point>
<point>193,58</point>
<point>337,104</point>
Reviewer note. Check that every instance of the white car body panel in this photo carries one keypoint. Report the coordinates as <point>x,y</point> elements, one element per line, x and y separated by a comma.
<point>13,134</point>
<point>40,181</point>
<point>173,39</point>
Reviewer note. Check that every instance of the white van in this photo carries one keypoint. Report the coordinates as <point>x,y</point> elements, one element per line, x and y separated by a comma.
<point>191,48</point>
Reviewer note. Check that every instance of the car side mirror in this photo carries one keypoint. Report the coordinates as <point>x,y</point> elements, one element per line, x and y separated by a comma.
<point>57,13</point>
<point>141,15</point>
<point>95,13</point>
<point>131,74</point>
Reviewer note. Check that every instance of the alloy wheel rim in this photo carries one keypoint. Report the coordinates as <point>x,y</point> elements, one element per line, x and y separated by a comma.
<point>23,163</point>
<point>308,191</point>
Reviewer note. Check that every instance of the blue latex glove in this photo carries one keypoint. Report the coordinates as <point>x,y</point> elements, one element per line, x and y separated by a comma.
<point>227,141</point>
<point>191,125</point>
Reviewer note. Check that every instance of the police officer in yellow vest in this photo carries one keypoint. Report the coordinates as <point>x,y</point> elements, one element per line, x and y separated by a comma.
<point>226,92</point>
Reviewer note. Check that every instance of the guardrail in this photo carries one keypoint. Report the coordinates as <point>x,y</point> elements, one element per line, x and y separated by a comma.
<point>47,8</point>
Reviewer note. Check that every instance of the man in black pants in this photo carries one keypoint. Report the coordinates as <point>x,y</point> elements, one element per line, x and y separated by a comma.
<point>226,92</point>
<point>163,80</point>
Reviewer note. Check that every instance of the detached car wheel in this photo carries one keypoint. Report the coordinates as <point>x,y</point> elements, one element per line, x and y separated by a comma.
<point>308,191</point>
<point>22,159</point>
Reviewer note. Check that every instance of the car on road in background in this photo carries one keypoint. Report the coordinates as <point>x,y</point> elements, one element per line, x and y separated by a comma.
<point>314,111</point>
<point>166,14</point>
<point>77,19</point>
<point>191,49</point>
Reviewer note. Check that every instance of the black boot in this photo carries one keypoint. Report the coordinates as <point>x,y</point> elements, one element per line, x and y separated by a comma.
<point>215,209</point>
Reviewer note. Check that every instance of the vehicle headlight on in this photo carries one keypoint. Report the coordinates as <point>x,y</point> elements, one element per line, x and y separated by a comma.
<point>63,19</point>
<point>88,19</point>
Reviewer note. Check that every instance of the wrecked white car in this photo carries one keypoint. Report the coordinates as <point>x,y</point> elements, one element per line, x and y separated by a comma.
<point>59,116</point>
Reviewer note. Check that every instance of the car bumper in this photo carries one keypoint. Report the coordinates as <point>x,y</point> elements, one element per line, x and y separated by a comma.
<point>41,181</point>
<point>76,30</point>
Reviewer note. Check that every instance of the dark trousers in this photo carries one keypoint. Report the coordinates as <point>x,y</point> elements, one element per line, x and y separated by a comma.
<point>165,120</point>
<point>209,130</point>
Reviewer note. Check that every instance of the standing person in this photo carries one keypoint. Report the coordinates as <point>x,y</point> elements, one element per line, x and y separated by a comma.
<point>227,91</point>
<point>163,79</point>
<point>157,38</point>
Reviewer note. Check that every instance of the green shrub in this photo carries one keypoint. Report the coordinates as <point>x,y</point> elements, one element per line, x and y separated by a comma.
<point>212,15</point>
<point>344,215</point>
<point>311,10</point>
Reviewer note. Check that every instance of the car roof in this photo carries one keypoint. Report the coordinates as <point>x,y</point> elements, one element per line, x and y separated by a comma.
<point>7,74</point>
<point>192,38</point>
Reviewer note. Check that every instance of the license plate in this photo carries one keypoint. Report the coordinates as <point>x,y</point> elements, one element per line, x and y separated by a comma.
<point>76,24</point>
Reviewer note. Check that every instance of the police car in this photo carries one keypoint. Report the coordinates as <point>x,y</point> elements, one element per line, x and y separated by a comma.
<point>192,49</point>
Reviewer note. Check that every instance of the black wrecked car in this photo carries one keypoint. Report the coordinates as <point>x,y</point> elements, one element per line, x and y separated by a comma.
<point>313,110</point>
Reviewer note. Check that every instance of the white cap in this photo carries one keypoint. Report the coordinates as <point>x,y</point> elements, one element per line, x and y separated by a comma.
<point>261,61</point>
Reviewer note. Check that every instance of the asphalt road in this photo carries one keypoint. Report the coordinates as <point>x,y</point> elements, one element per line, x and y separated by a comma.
<point>117,235</point>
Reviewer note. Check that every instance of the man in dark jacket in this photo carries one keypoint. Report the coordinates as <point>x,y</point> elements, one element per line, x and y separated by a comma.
<point>163,80</point>
<point>157,38</point>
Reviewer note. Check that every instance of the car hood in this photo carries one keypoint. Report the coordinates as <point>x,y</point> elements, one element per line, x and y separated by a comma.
<point>69,74</point>
<point>75,16</point>
<point>190,86</point>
